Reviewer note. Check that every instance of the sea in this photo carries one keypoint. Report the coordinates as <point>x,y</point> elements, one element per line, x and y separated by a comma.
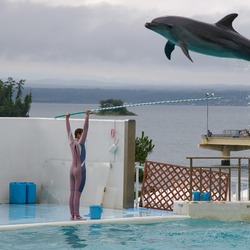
<point>175,130</point>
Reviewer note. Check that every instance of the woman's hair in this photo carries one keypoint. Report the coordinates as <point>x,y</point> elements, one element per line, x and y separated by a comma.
<point>78,131</point>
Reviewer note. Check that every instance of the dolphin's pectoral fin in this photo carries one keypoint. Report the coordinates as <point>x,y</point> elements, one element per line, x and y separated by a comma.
<point>185,50</point>
<point>169,47</point>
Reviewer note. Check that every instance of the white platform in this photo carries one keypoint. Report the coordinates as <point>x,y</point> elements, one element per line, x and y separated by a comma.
<point>218,210</point>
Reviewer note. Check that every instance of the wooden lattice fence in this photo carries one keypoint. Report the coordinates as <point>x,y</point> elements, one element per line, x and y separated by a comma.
<point>164,183</point>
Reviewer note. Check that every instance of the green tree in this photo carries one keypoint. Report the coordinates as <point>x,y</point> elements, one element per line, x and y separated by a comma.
<point>13,106</point>
<point>143,147</point>
<point>110,103</point>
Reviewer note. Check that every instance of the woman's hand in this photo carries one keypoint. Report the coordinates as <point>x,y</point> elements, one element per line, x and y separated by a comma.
<point>87,112</point>
<point>67,115</point>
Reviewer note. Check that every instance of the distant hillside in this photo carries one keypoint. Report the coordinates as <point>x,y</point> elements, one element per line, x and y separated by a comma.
<point>233,97</point>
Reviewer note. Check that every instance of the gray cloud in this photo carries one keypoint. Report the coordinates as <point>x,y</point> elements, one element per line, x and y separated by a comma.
<point>81,34</point>
<point>113,37</point>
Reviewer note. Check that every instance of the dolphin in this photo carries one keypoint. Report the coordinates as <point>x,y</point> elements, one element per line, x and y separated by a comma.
<point>219,39</point>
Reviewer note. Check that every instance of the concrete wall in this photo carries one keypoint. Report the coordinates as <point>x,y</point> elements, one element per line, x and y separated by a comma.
<point>218,210</point>
<point>36,150</point>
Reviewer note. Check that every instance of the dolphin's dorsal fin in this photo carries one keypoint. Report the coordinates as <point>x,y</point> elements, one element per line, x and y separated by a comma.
<point>227,21</point>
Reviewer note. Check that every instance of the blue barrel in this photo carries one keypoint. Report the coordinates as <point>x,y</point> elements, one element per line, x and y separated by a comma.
<point>196,195</point>
<point>17,192</point>
<point>30,193</point>
<point>95,212</point>
<point>205,196</point>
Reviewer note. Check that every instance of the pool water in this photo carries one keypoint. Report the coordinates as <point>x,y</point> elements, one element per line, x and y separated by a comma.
<point>174,234</point>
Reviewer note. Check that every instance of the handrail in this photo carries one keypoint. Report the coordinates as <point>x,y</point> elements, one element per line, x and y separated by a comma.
<point>218,157</point>
<point>220,167</point>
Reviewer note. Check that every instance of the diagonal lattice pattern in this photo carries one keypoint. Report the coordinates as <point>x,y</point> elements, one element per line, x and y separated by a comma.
<point>164,183</point>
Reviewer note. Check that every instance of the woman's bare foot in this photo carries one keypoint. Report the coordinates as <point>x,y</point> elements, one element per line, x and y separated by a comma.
<point>78,217</point>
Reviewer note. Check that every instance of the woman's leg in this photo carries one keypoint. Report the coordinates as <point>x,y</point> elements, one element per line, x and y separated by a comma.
<point>71,196</point>
<point>77,191</point>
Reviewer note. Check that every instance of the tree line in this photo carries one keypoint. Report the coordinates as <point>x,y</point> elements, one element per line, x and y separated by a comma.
<point>11,102</point>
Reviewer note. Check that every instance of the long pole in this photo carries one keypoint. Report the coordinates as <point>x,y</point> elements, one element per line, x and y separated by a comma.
<point>207,117</point>
<point>143,104</point>
<point>209,96</point>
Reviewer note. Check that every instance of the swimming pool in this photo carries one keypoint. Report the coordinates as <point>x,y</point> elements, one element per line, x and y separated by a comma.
<point>173,234</point>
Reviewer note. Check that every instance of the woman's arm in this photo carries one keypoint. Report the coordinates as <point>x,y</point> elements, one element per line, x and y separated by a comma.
<point>85,128</point>
<point>70,135</point>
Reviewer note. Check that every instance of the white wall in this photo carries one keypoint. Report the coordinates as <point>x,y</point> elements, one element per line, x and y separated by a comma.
<point>36,150</point>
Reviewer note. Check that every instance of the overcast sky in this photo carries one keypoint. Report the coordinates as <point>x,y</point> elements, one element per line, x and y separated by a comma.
<point>107,41</point>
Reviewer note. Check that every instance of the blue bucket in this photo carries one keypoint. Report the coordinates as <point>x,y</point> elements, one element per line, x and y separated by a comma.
<point>196,195</point>
<point>205,196</point>
<point>95,212</point>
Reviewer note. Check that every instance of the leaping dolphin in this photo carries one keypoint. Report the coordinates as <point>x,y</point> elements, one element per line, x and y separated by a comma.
<point>219,39</point>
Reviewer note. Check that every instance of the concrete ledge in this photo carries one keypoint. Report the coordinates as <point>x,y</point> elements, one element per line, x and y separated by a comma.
<point>218,210</point>
<point>127,220</point>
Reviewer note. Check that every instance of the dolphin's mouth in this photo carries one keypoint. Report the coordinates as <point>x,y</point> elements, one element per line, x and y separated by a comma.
<point>153,25</point>
<point>150,25</point>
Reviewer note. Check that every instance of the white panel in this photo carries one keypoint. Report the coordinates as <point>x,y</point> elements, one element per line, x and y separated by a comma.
<point>96,182</point>
<point>29,145</point>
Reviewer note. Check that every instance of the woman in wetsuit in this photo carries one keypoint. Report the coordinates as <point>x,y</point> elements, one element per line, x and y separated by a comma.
<point>78,169</point>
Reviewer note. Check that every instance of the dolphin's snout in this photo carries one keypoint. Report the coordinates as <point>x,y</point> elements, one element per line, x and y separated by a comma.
<point>149,25</point>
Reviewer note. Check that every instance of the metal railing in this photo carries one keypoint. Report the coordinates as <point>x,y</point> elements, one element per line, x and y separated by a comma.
<point>238,167</point>
<point>137,188</point>
<point>235,133</point>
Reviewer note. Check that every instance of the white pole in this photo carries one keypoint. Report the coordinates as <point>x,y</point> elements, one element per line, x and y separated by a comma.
<point>136,184</point>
